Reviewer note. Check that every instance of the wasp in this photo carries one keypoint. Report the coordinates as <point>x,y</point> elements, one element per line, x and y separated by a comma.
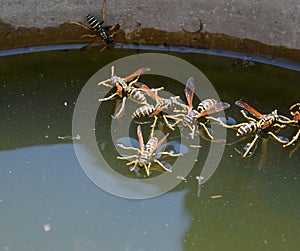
<point>147,154</point>
<point>261,123</point>
<point>162,104</point>
<point>189,116</point>
<point>124,90</point>
<point>102,34</point>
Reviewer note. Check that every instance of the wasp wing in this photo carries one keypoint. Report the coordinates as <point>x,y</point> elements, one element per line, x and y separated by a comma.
<point>189,91</point>
<point>148,90</point>
<point>140,137</point>
<point>162,140</point>
<point>136,74</point>
<point>220,106</point>
<point>248,108</point>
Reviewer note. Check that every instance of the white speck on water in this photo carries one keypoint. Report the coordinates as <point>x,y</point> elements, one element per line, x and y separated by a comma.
<point>180,177</point>
<point>47,227</point>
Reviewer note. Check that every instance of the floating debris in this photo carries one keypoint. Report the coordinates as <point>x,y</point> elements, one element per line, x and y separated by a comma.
<point>216,196</point>
<point>47,227</point>
<point>199,178</point>
<point>69,137</point>
<point>180,177</point>
<point>195,146</point>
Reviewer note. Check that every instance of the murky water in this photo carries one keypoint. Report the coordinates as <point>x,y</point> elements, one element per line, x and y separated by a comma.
<point>48,203</point>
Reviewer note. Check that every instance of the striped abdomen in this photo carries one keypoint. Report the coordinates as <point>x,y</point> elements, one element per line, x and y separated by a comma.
<point>206,104</point>
<point>247,128</point>
<point>143,111</point>
<point>136,95</point>
<point>97,27</point>
<point>266,121</point>
<point>151,145</point>
<point>145,157</point>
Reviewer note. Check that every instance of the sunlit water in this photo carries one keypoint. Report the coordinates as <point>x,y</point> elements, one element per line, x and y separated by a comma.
<point>48,203</point>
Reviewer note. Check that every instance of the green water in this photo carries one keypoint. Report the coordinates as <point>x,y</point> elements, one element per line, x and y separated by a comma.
<point>41,181</point>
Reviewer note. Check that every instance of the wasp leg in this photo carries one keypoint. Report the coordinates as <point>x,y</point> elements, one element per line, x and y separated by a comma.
<point>294,105</point>
<point>81,25</point>
<point>134,81</point>
<point>104,47</point>
<point>103,10</point>
<point>278,125</point>
<point>147,168</point>
<point>121,110</point>
<point>172,127</point>
<point>193,131</point>
<point>128,147</point>
<point>185,107</point>
<point>155,90</point>
<point>153,126</point>
<point>220,122</point>
<point>88,35</point>
<point>128,157</point>
<point>201,134</point>
<point>285,120</point>
<point>293,140</point>
<point>247,117</point>
<point>179,111</point>
<point>108,98</point>
<point>113,30</point>
<point>163,166</point>
<point>170,154</point>
<point>250,146</point>
<point>276,138</point>
<point>134,166</point>
<point>206,130</point>
<point>112,71</point>
<point>175,116</point>
<point>104,83</point>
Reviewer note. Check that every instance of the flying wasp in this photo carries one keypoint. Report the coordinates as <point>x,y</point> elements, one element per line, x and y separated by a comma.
<point>189,116</point>
<point>147,154</point>
<point>124,90</point>
<point>261,123</point>
<point>102,34</point>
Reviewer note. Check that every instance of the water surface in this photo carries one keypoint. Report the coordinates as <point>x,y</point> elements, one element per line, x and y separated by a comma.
<point>42,184</point>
